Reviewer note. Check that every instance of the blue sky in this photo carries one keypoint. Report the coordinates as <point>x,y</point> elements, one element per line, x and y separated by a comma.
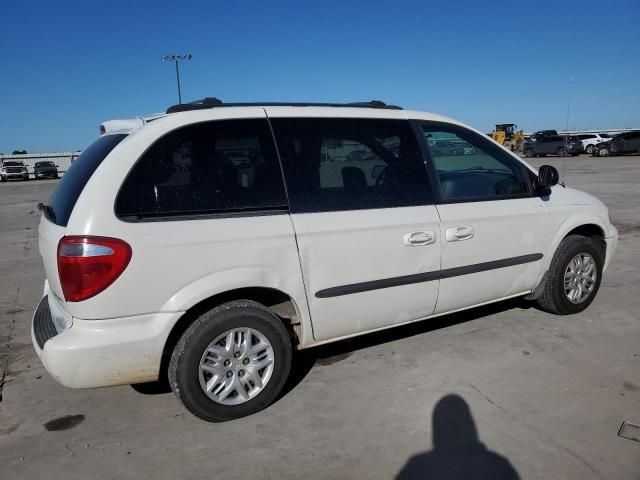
<point>68,65</point>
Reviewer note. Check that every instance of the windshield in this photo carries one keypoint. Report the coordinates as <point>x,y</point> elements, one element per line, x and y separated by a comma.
<point>44,164</point>
<point>70,187</point>
<point>13,164</point>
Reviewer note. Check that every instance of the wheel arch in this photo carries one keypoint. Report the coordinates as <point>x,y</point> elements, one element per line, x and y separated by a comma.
<point>587,227</point>
<point>280,303</point>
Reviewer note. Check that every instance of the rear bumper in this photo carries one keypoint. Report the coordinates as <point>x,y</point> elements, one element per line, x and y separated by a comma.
<point>100,353</point>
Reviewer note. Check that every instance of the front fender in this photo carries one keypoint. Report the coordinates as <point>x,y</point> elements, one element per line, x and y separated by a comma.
<point>568,220</point>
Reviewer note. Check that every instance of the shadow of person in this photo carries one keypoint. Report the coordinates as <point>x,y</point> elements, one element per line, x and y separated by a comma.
<point>457,452</point>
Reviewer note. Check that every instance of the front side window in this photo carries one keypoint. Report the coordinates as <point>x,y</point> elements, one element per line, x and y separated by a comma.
<point>472,168</point>
<point>334,164</point>
<point>206,168</point>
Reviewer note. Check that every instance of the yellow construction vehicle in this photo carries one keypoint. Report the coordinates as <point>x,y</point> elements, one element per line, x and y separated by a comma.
<point>506,134</point>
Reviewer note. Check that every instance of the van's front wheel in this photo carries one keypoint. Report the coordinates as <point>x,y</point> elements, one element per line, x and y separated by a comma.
<point>574,276</point>
<point>231,362</point>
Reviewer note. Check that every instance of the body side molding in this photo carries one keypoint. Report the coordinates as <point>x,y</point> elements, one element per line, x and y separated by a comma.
<point>426,276</point>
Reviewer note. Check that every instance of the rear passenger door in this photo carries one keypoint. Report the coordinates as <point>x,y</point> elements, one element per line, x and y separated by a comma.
<point>543,146</point>
<point>551,145</point>
<point>620,142</point>
<point>494,228</point>
<point>367,230</point>
<point>633,142</point>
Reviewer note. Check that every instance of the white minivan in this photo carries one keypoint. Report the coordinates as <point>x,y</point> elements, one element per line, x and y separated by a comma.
<point>204,245</point>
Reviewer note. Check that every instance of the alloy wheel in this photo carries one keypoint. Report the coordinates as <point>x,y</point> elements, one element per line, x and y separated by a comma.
<point>236,366</point>
<point>580,278</point>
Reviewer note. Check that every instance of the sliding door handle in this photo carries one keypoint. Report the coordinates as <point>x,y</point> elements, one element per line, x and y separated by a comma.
<point>457,234</point>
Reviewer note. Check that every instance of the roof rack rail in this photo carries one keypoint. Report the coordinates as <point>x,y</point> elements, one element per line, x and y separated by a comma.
<point>213,102</point>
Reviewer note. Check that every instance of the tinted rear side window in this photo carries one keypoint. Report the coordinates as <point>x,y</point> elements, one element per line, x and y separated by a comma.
<point>72,183</point>
<point>217,167</point>
<point>333,164</point>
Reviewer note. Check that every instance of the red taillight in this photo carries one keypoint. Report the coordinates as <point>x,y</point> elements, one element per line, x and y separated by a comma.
<point>88,265</point>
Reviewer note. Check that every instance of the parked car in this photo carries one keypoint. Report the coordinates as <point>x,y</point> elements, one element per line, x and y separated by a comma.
<point>13,170</point>
<point>212,278</point>
<point>590,140</point>
<point>627,142</point>
<point>45,170</point>
<point>553,145</point>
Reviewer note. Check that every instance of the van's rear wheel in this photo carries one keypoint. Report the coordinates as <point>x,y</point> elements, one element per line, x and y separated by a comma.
<point>231,362</point>
<point>574,276</point>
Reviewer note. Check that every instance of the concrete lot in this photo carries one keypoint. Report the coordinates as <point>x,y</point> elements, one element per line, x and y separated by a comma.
<point>546,393</point>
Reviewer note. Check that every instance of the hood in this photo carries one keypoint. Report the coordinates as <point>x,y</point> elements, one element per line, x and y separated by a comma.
<point>572,196</point>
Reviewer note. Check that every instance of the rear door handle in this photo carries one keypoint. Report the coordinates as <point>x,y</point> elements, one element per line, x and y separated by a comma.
<point>457,234</point>
<point>417,239</point>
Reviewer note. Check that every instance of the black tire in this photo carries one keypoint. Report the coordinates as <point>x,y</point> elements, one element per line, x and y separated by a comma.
<point>590,149</point>
<point>562,152</point>
<point>553,298</point>
<point>185,361</point>
<point>529,153</point>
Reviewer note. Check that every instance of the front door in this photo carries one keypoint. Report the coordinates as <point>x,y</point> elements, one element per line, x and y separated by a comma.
<point>367,230</point>
<point>494,228</point>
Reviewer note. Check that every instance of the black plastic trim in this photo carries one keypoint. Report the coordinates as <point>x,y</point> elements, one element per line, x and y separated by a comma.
<point>182,216</point>
<point>426,277</point>
<point>43,327</point>
<point>215,103</point>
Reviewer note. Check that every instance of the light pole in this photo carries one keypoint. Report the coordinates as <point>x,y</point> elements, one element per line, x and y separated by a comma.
<point>176,59</point>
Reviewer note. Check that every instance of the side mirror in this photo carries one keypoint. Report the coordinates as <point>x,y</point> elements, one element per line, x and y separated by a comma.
<point>548,176</point>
